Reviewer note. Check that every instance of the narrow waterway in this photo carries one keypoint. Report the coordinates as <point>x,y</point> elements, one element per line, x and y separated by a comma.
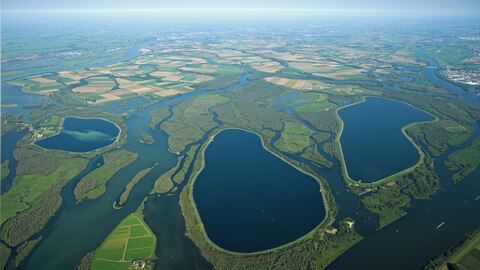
<point>411,241</point>
<point>78,229</point>
<point>431,73</point>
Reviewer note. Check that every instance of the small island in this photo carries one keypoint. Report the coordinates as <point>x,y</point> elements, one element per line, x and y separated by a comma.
<point>147,139</point>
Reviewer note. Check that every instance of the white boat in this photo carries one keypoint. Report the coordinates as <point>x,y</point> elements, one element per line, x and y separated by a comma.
<point>441,224</point>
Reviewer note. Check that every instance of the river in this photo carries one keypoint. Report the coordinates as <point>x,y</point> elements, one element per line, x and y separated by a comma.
<point>78,229</point>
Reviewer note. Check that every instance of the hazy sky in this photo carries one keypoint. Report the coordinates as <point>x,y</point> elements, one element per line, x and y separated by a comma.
<point>417,5</point>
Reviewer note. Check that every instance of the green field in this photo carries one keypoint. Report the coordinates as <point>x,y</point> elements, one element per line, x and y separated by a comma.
<point>319,103</point>
<point>26,188</point>
<point>131,240</point>
<point>448,54</point>
<point>295,137</point>
<point>53,121</point>
<point>469,257</point>
<point>315,106</point>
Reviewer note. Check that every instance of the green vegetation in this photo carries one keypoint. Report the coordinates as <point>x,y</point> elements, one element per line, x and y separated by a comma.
<point>176,175</point>
<point>314,106</point>
<point>294,138</point>
<point>448,54</point>
<point>4,255</point>
<point>92,185</point>
<point>25,249</point>
<point>440,135</point>
<point>147,139</point>
<point>464,161</point>
<point>321,121</point>
<point>187,161</point>
<point>132,240</point>
<point>315,251</point>
<point>10,122</point>
<point>158,115</point>
<point>190,121</point>
<point>312,154</point>
<point>319,104</point>
<point>464,255</point>
<point>164,183</point>
<point>86,261</point>
<point>469,257</point>
<point>357,70</point>
<point>43,111</point>
<point>67,97</point>
<point>389,200</point>
<point>35,193</point>
<point>53,121</point>
<point>5,170</point>
<point>139,176</point>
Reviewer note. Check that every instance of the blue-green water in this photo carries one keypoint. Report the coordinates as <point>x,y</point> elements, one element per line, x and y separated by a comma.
<point>373,144</point>
<point>250,200</point>
<point>82,135</point>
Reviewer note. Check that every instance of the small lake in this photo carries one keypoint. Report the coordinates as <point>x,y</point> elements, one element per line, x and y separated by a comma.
<point>82,135</point>
<point>373,144</point>
<point>250,200</point>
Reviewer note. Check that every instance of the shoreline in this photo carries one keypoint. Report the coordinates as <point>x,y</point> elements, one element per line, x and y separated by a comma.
<point>391,177</point>
<point>197,214</point>
<point>120,131</point>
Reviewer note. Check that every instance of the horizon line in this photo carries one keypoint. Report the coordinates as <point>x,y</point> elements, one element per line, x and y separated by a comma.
<point>206,10</point>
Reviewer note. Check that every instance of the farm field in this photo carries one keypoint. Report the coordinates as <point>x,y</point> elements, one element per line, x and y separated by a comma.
<point>130,241</point>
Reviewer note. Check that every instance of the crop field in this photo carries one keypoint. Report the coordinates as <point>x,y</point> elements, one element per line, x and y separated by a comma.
<point>307,85</point>
<point>144,75</point>
<point>468,257</point>
<point>298,84</point>
<point>328,69</point>
<point>131,240</point>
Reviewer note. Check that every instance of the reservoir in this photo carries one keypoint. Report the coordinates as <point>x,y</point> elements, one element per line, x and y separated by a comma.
<point>82,135</point>
<point>249,200</point>
<point>372,142</point>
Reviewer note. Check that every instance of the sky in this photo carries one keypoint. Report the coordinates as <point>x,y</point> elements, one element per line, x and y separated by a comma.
<point>359,5</point>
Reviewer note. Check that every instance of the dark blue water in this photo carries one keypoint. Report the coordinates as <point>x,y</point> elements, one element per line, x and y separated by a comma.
<point>372,142</point>
<point>411,241</point>
<point>250,200</point>
<point>53,252</point>
<point>82,135</point>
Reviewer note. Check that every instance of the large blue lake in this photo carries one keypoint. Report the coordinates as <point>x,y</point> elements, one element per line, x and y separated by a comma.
<point>373,144</point>
<point>82,135</point>
<point>250,200</point>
